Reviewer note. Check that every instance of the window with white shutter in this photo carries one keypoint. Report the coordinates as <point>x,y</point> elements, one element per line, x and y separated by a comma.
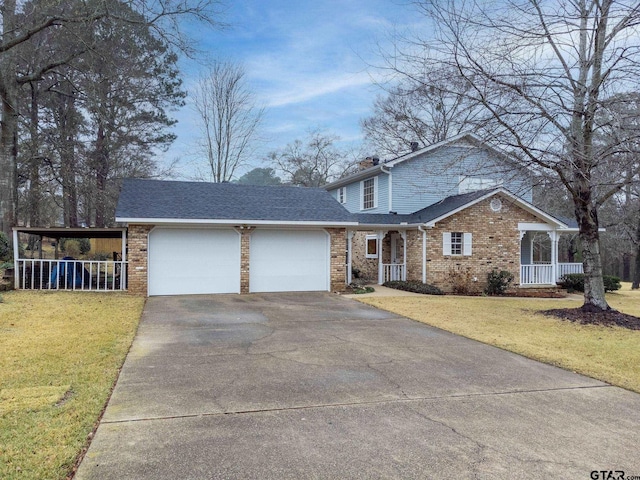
<point>456,243</point>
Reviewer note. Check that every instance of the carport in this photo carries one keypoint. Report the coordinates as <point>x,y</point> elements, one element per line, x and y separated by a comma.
<point>36,272</point>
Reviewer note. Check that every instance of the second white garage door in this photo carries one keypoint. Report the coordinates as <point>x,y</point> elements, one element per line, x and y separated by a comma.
<point>189,261</point>
<point>289,261</point>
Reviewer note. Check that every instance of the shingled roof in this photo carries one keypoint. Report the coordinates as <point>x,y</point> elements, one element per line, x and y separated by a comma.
<point>425,215</point>
<point>171,200</point>
<point>200,202</point>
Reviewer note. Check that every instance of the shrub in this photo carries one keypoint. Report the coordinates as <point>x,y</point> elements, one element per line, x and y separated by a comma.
<point>461,280</point>
<point>611,283</point>
<point>75,246</point>
<point>5,248</point>
<point>416,287</point>
<point>357,289</point>
<point>498,282</point>
<point>574,282</point>
<point>85,245</point>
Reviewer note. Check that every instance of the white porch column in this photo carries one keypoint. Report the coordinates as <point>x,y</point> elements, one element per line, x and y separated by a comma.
<point>16,255</point>
<point>554,255</point>
<point>124,271</point>
<point>350,234</point>
<point>403,234</point>
<point>522,234</point>
<point>380,267</point>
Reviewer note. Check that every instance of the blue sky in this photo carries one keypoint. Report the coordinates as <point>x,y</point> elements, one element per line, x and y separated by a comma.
<point>307,62</point>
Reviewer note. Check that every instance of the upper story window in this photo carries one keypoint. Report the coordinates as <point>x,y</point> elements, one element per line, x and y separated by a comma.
<point>342,194</point>
<point>472,184</point>
<point>368,193</point>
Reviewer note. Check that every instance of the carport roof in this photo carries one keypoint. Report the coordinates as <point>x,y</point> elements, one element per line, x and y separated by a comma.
<point>146,201</point>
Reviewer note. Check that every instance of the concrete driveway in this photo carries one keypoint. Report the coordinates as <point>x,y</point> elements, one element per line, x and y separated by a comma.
<point>312,385</point>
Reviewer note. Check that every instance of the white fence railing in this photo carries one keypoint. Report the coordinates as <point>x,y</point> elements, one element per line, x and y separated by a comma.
<point>81,275</point>
<point>392,272</point>
<point>542,274</point>
<point>567,268</point>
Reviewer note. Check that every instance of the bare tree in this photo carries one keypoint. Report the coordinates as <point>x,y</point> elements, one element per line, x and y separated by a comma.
<point>313,162</point>
<point>229,119</point>
<point>426,112</point>
<point>542,71</point>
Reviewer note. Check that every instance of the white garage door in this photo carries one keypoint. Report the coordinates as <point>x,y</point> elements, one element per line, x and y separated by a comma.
<point>191,261</point>
<point>289,261</point>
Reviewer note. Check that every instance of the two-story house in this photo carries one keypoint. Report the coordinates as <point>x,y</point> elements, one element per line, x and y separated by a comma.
<point>454,210</point>
<point>447,213</point>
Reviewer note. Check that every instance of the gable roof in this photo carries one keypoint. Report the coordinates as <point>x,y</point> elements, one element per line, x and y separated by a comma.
<point>467,137</point>
<point>451,205</point>
<point>149,201</point>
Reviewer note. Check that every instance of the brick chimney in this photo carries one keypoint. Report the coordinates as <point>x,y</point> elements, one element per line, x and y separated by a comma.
<point>366,163</point>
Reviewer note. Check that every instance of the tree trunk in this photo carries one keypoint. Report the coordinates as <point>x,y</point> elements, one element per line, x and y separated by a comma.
<point>8,125</point>
<point>636,274</point>
<point>67,158</point>
<point>34,196</point>
<point>594,298</point>
<point>102,170</point>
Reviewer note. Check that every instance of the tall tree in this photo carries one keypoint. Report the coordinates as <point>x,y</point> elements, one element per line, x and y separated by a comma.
<point>128,83</point>
<point>43,17</point>
<point>542,71</point>
<point>229,119</point>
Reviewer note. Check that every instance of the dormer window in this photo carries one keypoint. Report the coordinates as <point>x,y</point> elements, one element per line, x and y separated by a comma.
<point>369,193</point>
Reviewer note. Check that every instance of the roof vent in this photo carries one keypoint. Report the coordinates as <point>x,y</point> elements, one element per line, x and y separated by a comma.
<point>375,161</point>
<point>414,146</point>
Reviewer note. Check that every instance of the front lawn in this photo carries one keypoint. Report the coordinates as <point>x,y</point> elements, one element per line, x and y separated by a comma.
<point>610,354</point>
<point>60,355</point>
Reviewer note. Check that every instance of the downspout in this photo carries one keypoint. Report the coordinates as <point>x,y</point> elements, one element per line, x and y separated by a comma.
<point>424,253</point>
<point>390,183</point>
<point>350,234</point>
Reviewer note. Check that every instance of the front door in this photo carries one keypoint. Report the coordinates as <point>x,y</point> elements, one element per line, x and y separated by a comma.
<point>396,249</point>
<point>396,257</point>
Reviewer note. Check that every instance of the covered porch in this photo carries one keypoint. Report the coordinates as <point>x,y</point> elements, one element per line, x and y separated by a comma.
<point>105,269</point>
<point>385,250</point>
<point>540,261</point>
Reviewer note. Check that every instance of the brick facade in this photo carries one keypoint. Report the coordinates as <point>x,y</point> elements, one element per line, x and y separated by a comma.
<point>245,242</point>
<point>137,256</point>
<point>338,273</point>
<point>495,244</point>
<point>138,240</point>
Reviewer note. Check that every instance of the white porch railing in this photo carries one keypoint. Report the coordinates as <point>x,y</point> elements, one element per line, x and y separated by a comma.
<point>542,274</point>
<point>81,275</point>
<point>567,268</point>
<point>537,274</point>
<point>392,272</point>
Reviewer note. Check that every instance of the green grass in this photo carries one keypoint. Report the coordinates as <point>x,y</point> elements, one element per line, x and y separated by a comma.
<point>610,354</point>
<point>60,356</point>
